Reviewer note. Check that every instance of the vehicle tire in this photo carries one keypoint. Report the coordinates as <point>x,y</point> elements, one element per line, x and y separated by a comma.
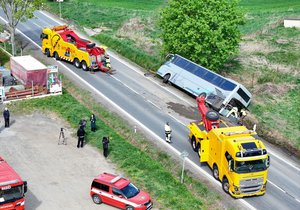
<point>97,199</point>
<point>56,56</point>
<point>77,63</point>
<point>203,94</point>
<point>129,208</point>
<point>84,66</point>
<point>212,116</point>
<point>195,146</point>
<point>166,78</point>
<point>225,185</point>
<point>47,52</point>
<point>216,172</point>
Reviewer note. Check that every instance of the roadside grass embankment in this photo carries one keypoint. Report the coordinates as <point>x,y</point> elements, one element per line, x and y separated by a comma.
<point>151,169</point>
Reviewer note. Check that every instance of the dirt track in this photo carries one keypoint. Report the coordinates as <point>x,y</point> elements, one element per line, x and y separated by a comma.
<point>58,176</point>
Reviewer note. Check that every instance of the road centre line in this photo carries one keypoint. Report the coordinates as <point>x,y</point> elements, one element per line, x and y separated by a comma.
<point>154,104</point>
<point>279,188</point>
<point>125,85</point>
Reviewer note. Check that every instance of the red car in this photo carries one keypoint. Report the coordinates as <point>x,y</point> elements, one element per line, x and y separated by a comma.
<point>119,192</point>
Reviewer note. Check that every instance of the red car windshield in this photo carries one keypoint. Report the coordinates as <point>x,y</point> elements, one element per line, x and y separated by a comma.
<point>130,191</point>
<point>11,194</point>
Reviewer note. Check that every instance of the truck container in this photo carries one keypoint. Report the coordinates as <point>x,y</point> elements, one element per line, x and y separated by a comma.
<point>28,70</point>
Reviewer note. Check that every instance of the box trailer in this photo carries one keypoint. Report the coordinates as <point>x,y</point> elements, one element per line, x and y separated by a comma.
<point>28,70</point>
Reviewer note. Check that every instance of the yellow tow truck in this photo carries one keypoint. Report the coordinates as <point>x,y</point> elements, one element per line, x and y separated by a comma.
<point>63,43</point>
<point>236,157</point>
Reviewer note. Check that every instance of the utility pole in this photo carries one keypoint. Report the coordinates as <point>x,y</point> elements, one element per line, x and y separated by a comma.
<point>59,4</point>
<point>183,155</point>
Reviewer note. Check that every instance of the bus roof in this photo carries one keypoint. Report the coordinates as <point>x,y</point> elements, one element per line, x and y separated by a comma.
<point>204,73</point>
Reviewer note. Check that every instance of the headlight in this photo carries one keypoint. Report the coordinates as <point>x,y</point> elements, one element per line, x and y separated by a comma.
<point>236,189</point>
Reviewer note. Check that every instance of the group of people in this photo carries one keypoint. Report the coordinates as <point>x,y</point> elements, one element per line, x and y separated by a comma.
<point>81,134</point>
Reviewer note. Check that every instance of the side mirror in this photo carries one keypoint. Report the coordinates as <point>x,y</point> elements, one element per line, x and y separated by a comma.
<point>230,163</point>
<point>25,186</point>
<point>254,128</point>
<point>268,162</point>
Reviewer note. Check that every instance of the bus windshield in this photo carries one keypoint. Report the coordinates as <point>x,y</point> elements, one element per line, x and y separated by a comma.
<point>11,194</point>
<point>251,166</point>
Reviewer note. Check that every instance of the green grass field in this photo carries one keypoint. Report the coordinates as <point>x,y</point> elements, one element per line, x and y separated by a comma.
<point>261,13</point>
<point>129,27</point>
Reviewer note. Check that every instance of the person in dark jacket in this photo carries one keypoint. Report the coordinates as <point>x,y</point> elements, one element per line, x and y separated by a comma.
<point>105,142</point>
<point>6,116</point>
<point>93,122</point>
<point>80,134</point>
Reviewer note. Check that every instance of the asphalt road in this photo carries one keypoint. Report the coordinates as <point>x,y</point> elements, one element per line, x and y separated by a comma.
<point>147,104</point>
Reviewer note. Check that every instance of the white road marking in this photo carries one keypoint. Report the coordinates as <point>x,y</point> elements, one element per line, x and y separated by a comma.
<point>154,104</point>
<point>177,120</point>
<point>279,188</point>
<point>145,127</point>
<point>125,85</point>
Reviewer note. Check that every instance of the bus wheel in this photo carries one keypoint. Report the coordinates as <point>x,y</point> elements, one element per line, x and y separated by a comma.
<point>216,172</point>
<point>194,144</point>
<point>166,78</point>
<point>47,52</point>
<point>77,63</point>
<point>56,56</point>
<point>97,199</point>
<point>84,66</point>
<point>225,185</point>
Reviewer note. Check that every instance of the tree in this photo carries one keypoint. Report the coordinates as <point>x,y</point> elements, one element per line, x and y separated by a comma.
<point>205,31</point>
<point>15,11</point>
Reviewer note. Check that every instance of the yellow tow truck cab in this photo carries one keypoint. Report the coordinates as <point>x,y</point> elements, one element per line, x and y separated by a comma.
<point>236,157</point>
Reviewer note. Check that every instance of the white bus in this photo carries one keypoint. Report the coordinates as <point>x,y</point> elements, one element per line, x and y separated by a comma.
<point>221,93</point>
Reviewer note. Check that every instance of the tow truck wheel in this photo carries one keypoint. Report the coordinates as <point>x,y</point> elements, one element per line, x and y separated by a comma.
<point>56,56</point>
<point>212,115</point>
<point>216,172</point>
<point>129,208</point>
<point>97,199</point>
<point>194,144</point>
<point>166,78</point>
<point>84,66</point>
<point>47,52</point>
<point>77,63</point>
<point>225,185</point>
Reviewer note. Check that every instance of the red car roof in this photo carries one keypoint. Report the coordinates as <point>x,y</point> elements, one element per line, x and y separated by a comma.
<point>118,181</point>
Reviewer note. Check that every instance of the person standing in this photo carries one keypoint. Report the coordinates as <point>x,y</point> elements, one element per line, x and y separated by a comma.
<point>80,134</point>
<point>105,142</point>
<point>93,122</point>
<point>168,132</point>
<point>6,116</point>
